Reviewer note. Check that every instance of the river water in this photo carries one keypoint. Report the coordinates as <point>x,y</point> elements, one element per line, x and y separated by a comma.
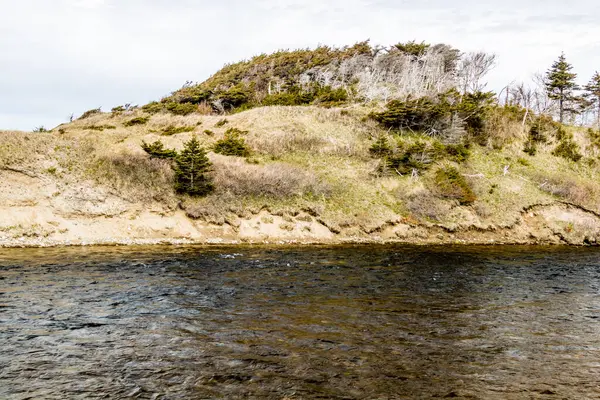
<point>355,322</point>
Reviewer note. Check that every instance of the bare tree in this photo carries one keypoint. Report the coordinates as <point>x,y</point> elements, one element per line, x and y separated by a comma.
<point>543,104</point>
<point>473,67</point>
<point>523,95</point>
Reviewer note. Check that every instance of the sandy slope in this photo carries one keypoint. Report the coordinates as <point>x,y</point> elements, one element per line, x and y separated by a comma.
<point>35,211</point>
<point>81,185</point>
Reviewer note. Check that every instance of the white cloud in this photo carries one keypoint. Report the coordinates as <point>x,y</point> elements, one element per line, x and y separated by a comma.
<point>71,55</point>
<point>90,3</point>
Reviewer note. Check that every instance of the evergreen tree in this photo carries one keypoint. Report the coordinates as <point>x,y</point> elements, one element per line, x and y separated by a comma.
<point>191,168</point>
<point>560,85</point>
<point>157,150</point>
<point>592,90</point>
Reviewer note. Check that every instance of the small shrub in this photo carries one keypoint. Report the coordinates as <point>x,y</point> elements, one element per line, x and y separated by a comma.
<point>221,123</point>
<point>523,162</point>
<point>136,121</point>
<point>328,97</point>
<point>153,107</point>
<point>117,109</point>
<point>209,132</point>
<point>181,108</point>
<point>91,112</point>
<point>174,130</point>
<point>419,155</point>
<point>40,129</point>
<point>286,226</point>
<point>157,150</point>
<point>562,134</point>
<point>452,185</point>
<point>121,109</point>
<point>530,148</point>
<point>381,148</point>
<point>568,149</point>
<point>458,152</point>
<point>424,205</point>
<point>232,144</point>
<point>99,127</point>
<point>267,220</point>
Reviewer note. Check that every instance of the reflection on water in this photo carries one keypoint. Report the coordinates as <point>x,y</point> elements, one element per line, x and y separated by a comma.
<point>351,322</point>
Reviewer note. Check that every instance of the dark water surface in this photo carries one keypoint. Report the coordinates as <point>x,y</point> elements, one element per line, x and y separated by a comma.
<point>358,322</point>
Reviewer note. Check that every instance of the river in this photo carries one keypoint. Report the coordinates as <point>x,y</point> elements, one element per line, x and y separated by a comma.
<point>349,322</point>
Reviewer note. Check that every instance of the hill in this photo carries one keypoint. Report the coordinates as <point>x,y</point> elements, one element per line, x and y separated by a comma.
<point>354,144</point>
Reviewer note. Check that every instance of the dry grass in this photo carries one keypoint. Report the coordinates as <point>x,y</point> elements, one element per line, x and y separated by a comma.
<point>570,188</point>
<point>502,131</point>
<point>424,205</point>
<point>280,130</point>
<point>24,149</point>
<point>135,177</point>
<point>233,175</point>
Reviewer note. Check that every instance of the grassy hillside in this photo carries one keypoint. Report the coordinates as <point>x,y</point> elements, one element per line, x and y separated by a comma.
<point>345,166</point>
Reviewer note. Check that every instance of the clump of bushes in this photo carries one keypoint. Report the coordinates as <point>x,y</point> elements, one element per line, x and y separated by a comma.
<point>450,184</point>
<point>537,135</point>
<point>181,108</point>
<point>118,110</point>
<point>99,127</point>
<point>594,137</point>
<point>235,97</point>
<point>233,144</point>
<point>91,112</point>
<point>153,107</point>
<point>419,155</point>
<point>40,129</point>
<point>136,121</point>
<point>172,107</point>
<point>174,130</point>
<point>568,149</point>
<point>438,116</point>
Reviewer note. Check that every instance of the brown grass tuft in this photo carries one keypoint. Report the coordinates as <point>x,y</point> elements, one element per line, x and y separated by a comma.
<point>135,177</point>
<point>424,205</point>
<point>278,180</point>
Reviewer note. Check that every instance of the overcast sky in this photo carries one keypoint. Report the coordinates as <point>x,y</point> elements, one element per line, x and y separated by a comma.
<point>59,57</point>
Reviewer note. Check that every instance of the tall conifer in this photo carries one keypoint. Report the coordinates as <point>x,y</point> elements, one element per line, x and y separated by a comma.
<point>191,168</point>
<point>560,85</point>
<point>592,90</point>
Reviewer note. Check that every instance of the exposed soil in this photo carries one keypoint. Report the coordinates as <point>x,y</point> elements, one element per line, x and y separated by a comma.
<point>35,211</point>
